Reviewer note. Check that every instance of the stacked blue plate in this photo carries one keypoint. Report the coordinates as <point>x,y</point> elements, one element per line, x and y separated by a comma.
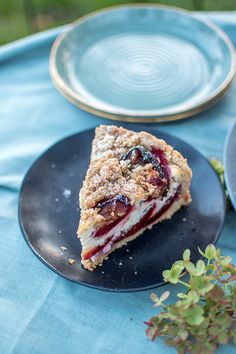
<point>142,63</point>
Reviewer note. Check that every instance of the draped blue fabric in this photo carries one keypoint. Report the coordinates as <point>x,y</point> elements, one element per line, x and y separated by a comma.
<point>40,312</point>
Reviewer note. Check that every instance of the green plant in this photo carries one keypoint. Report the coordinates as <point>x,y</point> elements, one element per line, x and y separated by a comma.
<point>205,315</point>
<point>219,168</point>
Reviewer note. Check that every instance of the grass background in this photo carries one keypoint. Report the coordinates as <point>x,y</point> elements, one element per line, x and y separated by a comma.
<point>19,18</point>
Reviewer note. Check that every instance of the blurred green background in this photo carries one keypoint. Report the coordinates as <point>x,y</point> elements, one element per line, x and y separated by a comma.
<point>19,18</point>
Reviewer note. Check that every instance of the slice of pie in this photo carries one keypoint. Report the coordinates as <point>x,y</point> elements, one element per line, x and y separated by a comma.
<point>134,181</point>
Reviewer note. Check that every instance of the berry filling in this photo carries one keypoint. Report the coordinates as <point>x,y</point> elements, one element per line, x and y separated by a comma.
<point>113,210</point>
<point>138,155</point>
<point>160,155</point>
<point>93,251</point>
<point>160,177</point>
<point>147,219</point>
<point>140,224</point>
<point>168,204</point>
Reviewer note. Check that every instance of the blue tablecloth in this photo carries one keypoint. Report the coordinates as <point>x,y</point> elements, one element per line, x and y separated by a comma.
<point>40,312</point>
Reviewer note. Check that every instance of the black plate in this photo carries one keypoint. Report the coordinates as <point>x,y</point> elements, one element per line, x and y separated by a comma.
<point>49,215</point>
<point>230,164</point>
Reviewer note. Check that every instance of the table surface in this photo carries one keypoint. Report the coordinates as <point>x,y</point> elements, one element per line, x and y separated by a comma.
<point>40,312</point>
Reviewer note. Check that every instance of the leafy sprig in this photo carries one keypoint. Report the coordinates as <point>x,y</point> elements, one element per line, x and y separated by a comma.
<point>219,168</point>
<point>205,315</point>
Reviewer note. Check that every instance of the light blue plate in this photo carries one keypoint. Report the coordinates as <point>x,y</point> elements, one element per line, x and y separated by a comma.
<point>142,63</point>
<point>230,164</point>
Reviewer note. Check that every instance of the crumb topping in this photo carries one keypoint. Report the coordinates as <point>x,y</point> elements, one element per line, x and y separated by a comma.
<point>109,175</point>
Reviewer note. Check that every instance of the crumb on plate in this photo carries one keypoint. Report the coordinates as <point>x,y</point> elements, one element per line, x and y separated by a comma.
<point>71,261</point>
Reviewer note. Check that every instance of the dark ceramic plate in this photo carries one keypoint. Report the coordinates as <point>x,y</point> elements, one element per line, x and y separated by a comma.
<point>49,215</point>
<point>230,164</point>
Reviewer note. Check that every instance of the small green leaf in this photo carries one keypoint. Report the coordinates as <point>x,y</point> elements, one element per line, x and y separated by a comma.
<point>155,299</point>
<point>186,255</point>
<point>179,263</point>
<point>210,252</point>
<point>194,315</point>
<point>219,168</point>
<point>173,274</point>
<point>214,330</point>
<point>164,296</point>
<point>201,252</point>
<point>177,269</point>
<point>201,284</point>
<point>217,165</point>
<point>190,268</point>
<point>205,323</point>
<point>166,275</point>
<point>200,267</point>
<point>192,297</point>
<point>223,320</point>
